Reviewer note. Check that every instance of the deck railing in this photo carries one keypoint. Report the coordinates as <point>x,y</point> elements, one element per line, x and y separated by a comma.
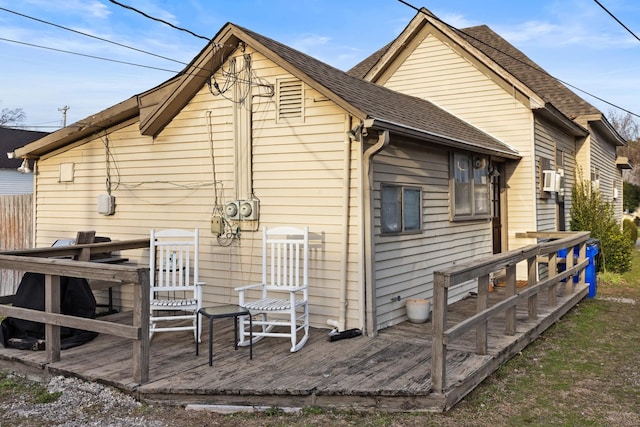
<point>47,261</point>
<point>481,270</point>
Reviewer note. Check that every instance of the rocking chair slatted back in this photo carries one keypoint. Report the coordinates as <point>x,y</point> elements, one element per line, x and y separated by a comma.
<point>281,308</point>
<point>284,270</point>
<point>176,292</point>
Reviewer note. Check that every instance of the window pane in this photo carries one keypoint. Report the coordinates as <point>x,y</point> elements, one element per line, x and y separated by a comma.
<point>412,209</point>
<point>481,188</point>
<point>462,179</point>
<point>391,209</point>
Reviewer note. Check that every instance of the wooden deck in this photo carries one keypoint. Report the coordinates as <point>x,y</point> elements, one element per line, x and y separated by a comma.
<point>389,372</point>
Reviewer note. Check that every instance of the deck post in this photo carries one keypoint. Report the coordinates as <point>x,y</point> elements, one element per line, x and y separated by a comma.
<point>581,257</point>
<point>569,262</point>
<point>482,305</point>
<point>509,291</point>
<point>52,305</point>
<point>439,348</point>
<point>553,271</point>
<point>141,321</point>
<point>532,302</point>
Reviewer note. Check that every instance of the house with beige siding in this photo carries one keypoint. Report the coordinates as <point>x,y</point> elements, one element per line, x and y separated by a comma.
<point>392,186</point>
<point>253,121</point>
<point>478,76</point>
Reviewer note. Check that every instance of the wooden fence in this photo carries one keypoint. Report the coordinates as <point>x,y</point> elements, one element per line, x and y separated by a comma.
<point>481,270</point>
<point>16,222</point>
<point>41,260</point>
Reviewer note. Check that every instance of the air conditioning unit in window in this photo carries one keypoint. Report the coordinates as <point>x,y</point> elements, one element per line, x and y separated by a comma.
<point>550,182</point>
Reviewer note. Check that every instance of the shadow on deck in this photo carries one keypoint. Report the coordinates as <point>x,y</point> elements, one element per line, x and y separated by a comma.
<point>389,372</point>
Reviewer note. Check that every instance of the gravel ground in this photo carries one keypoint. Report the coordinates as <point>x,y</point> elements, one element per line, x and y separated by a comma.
<point>83,403</point>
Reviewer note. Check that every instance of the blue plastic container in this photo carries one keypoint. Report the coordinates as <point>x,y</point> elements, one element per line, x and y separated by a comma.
<point>590,270</point>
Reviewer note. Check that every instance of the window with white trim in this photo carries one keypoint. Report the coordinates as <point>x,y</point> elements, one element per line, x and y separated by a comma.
<point>401,209</point>
<point>470,187</point>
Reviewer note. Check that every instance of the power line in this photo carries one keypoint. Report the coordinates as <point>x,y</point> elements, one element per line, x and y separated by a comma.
<point>90,35</point>
<point>518,59</point>
<point>87,55</point>
<point>617,20</point>
<point>159,20</point>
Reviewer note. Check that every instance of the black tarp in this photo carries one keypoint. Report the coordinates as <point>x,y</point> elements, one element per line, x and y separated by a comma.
<point>76,299</point>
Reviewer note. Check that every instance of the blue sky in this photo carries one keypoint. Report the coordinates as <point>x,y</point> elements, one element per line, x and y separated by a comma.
<point>574,40</point>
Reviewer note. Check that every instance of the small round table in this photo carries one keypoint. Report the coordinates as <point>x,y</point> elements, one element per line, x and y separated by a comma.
<point>219,312</point>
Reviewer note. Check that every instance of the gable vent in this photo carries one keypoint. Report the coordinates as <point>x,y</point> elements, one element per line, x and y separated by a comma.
<point>290,100</point>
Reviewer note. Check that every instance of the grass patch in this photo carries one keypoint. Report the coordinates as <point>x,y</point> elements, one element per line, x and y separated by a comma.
<point>15,386</point>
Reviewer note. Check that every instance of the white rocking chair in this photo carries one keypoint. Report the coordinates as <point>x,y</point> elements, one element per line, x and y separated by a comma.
<point>283,293</point>
<point>176,292</point>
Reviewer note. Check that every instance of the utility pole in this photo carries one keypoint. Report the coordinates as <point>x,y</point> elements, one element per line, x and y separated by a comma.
<point>64,115</point>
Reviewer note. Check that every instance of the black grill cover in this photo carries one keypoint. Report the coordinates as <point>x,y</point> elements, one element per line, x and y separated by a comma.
<point>76,299</point>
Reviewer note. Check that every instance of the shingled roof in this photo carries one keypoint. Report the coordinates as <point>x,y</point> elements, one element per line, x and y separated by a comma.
<point>385,105</point>
<point>400,113</point>
<point>362,68</point>
<point>527,71</point>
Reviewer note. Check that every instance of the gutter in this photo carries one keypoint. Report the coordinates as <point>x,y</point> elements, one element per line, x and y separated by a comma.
<point>369,282</point>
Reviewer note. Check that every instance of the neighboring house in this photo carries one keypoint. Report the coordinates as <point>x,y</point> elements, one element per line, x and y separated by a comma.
<point>12,181</point>
<point>16,210</point>
<point>392,186</point>
<point>481,78</point>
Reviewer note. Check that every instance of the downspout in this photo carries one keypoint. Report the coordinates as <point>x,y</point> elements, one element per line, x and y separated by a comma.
<point>341,323</point>
<point>367,201</point>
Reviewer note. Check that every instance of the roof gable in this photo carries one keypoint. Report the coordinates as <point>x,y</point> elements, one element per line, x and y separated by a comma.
<point>499,56</point>
<point>527,71</point>
<point>366,101</point>
<point>360,98</point>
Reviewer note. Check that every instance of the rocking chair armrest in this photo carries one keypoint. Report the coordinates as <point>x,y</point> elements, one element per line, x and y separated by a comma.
<point>298,288</point>
<point>201,283</point>
<point>247,287</point>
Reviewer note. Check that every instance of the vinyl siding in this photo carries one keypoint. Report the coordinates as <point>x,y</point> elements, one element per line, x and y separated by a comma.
<point>404,264</point>
<point>13,182</point>
<point>603,157</point>
<point>167,182</point>
<point>549,139</point>
<point>435,71</point>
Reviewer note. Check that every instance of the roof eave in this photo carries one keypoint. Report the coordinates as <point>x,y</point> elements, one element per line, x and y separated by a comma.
<point>623,163</point>
<point>600,121</point>
<point>103,120</point>
<point>551,113</point>
<point>398,129</point>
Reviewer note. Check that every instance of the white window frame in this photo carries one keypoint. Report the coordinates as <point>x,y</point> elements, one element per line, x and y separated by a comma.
<point>470,187</point>
<point>405,214</point>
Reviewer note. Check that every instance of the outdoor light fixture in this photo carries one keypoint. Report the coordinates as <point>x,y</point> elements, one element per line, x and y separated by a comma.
<point>24,167</point>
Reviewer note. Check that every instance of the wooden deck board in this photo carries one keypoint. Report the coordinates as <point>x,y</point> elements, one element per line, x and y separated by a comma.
<point>389,371</point>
